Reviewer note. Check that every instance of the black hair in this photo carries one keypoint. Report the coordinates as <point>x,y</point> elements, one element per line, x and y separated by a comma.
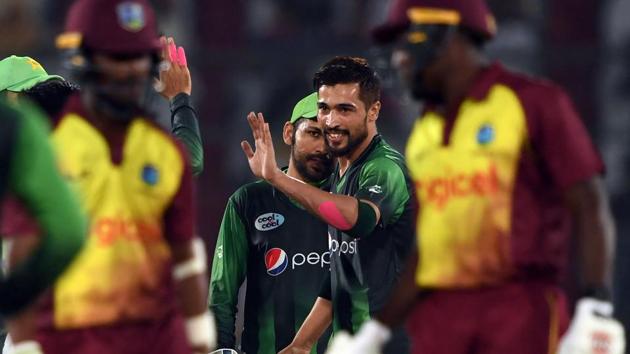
<point>347,70</point>
<point>51,95</point>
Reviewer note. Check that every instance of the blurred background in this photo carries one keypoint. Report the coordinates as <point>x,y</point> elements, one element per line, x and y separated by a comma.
<point>260,55</point>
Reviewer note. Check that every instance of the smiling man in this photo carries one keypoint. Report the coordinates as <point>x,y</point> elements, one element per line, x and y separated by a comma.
<point>369,212</point>
<point>275,244</point>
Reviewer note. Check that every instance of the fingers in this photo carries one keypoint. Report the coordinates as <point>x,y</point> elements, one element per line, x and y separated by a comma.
<point>158,85</point>
<point>247,149</point>
<point>181,56</point>
<point>164,51</point>
<point>172,50</point>
<point>267,134</point>
<point>253,124</point>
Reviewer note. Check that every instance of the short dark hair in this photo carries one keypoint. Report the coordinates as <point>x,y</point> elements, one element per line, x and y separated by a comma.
<point>51,95</point>
<point>347,70</point>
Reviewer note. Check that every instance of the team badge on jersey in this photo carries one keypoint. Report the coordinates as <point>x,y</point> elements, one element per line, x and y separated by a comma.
<point>485,134</point>
<point>276,261</point>
<point>150,175</point>
<point>131,16</point>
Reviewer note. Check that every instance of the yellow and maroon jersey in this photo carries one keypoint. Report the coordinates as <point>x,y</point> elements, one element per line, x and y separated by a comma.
<point>136,191</point>
<point>490,179</point>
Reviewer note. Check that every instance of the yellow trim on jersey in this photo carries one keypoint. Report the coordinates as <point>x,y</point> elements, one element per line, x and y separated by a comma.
<point>464,190</point>
<point>126,260</point>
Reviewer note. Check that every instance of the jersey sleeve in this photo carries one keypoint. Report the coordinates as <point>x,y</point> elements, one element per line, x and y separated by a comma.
<point>179,218</point>
<point>35,180</point>
<point>185,127</point>
<point>229,269</point>
<point>382,182</point>
<point>560,138</point>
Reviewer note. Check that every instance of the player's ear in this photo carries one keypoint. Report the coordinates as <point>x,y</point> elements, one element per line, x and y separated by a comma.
<point>374,110</point>
<point>287,133</point>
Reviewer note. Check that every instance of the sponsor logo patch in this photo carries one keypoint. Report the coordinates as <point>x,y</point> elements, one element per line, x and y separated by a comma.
<point>268,221</point>
<point>276,261</point>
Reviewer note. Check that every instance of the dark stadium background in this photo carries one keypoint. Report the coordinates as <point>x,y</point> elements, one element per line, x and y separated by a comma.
<point>260,55</point>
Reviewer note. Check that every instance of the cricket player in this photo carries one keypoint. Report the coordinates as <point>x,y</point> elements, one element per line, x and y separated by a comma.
<point>23,81</point>
<point>503,167</point>
<point>273,242</point>
<point>28,171</point>
<point>369,212</point>
<point>139,284</point>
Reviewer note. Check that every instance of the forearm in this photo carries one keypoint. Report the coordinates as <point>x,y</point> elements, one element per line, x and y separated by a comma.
<point>340,211</point>
<point>403,297</point>
<point>190,278</point>
<point>185,127</point>
<point>315,324</point>
<point>594,231</point>
<point>190,281</point>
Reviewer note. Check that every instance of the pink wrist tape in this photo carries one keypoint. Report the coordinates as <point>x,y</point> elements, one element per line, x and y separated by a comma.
<point>331,214</point>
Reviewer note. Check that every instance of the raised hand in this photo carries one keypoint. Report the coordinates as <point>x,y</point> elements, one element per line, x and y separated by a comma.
<point>174,75</point>
<point>262,160</point>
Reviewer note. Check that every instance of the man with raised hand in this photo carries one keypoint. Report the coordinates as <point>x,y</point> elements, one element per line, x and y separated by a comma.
<point>139,284</point>
<point>369,212</point>
<point>271,241</point>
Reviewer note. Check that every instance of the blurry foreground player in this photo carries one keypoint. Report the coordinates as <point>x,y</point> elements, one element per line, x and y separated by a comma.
<point>277,245</point>
<point>139,284</point>
<point>25,77</point>
<point>28,171</point>
<point>503,167</point>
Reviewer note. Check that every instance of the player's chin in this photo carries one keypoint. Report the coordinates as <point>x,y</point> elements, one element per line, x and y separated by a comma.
<point>319,171</point>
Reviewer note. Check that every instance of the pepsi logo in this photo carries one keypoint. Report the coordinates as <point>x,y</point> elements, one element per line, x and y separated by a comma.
<point>276,261</point>
<point>268,221</point>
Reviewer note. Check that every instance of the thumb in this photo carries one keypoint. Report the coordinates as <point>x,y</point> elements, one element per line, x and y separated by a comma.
<point>247,149</point>
<point>158,85</point>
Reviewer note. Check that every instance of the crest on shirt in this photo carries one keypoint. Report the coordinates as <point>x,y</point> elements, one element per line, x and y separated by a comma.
<point>150,175</point>
<point>376,189</point>
<point>131,16</point>
<point>485,134</point>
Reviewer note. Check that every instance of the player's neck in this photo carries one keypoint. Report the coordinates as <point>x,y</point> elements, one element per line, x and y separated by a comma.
<point>458,83</point>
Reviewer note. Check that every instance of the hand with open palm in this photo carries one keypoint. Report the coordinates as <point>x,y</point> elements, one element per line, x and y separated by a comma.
<point>262,160</point>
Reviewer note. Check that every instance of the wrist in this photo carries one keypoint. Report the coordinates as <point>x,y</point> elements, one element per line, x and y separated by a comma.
<point>599,292</point>
<point>375,331</point>
<point>275,178</point>
<point>200,330</point>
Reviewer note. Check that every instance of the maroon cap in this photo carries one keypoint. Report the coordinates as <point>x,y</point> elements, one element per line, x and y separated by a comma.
<point>114,26</point>
<point>472,14</point>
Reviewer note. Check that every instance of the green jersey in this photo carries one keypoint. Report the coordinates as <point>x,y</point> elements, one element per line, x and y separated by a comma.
<point>282,250</point>
<point>28,171</point>
<point>364,269</point>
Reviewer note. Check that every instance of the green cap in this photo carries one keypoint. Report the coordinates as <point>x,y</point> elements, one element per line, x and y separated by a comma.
<point>306,108</point>
<point>18,74</point>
